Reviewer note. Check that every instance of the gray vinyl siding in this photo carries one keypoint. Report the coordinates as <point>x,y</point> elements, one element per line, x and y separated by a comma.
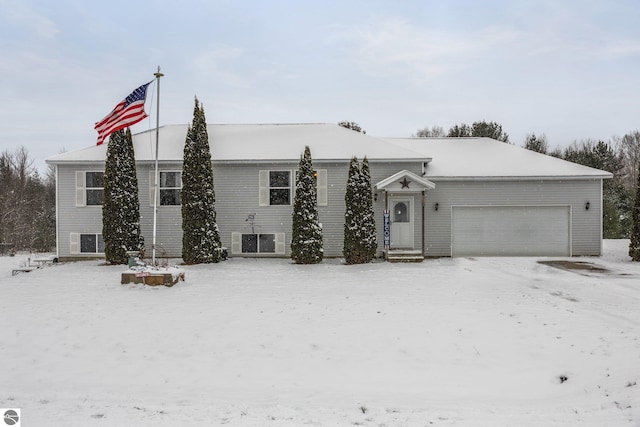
<point>169,218</point>
<point>237,196</point>
<point>88,219</point>
<point>73,219</point>
<point>586,225</point>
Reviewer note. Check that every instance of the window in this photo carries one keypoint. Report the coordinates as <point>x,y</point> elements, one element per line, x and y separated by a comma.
<point>90,243</point>
<point>257,243</point>
<point>279,188</point>
<point>276,187</point>
<point>89,188</point>
<point>94,188</point>
<point>401,212</point>
<point>170,185</point>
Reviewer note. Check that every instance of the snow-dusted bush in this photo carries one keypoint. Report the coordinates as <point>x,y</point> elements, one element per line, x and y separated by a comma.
<point>360,241</point>
<point>306,235</point>
<point>120,205</point>
<point>201,238</point>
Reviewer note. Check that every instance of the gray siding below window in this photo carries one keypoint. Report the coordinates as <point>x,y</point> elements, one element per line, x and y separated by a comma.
<point>73,219</point>
<point>168,218</point>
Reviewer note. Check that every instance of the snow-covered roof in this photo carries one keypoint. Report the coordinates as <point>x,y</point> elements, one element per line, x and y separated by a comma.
<point>451,158</point>
<point>256,142</point>
<point>462,158</point>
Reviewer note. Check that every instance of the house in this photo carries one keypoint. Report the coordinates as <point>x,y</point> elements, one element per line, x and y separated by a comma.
<point>433,197</point>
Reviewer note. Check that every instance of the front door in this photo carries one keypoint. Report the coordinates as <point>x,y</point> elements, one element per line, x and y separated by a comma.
<point>401,223</point>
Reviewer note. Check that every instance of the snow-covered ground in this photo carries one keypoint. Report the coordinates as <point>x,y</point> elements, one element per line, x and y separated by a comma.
<point>465,342</point>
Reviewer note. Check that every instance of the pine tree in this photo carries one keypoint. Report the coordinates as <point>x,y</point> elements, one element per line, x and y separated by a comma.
<point>634,245</point>
<point>536,143</point>
<point>369,240</point>
<point>352,125</point>
<point>479,129</point>
<point>360,242</point>
<point>201,238</point>
<point>306,236</point>
<point>351,226</point>
<point>616,201</point>
<point>120,205</point>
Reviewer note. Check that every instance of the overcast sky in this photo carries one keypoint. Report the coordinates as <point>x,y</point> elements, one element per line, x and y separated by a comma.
<point>568,69</point>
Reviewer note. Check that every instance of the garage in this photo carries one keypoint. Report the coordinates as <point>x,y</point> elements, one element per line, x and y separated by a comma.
<point>511,231</point>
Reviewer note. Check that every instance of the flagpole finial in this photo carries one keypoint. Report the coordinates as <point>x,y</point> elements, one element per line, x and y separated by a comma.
<point>158,74</point>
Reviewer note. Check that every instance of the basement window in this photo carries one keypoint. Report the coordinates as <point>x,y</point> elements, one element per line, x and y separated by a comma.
<point>91,243</point>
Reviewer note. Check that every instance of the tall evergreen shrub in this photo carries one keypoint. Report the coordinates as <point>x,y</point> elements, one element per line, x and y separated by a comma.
<point>120,204</point>
<point>369,241</point>
<point>360,242</point>
<point>306,235</point>
<point>351,226</point>
<point>201,237</point>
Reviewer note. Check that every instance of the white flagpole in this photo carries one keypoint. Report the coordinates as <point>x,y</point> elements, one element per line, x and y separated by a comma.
<point>158,74</point>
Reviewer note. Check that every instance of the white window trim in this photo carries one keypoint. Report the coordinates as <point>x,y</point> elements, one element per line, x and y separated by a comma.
<point>236,244</point>
<point>322,187</point>
<point>74,243</point>
<point>263,188</point>
<point>81,196</point>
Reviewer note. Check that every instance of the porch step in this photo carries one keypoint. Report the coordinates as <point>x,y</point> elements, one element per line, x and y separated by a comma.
<point>399,255</point>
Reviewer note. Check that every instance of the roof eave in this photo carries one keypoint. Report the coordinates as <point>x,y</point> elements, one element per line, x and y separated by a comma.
<point>520,178</point>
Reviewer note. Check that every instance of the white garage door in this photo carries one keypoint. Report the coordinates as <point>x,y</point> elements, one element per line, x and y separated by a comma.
<point>511,231</point>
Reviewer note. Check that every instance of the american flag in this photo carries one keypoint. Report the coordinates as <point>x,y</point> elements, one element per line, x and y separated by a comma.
<point>128,112</point>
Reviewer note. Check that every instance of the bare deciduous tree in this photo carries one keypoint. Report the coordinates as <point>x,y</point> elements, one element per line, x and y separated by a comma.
<point>629,146</point>
<point>430,132</point>
<point>27,218</point>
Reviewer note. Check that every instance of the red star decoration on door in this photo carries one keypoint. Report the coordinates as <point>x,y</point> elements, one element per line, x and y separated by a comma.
<point>404,183</point>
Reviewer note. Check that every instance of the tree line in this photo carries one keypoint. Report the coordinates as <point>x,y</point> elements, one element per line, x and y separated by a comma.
<point>476,129</point>
<point>27,204</point>
<point>621,157</point>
